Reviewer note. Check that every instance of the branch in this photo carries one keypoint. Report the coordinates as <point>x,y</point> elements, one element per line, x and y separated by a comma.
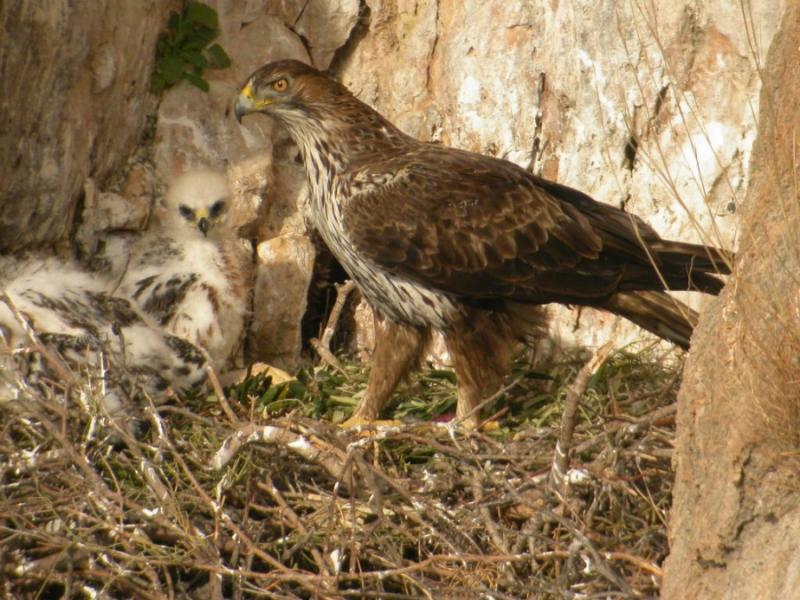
<point>311,448</point>
<point>561,457</point>
<point>323,345</point>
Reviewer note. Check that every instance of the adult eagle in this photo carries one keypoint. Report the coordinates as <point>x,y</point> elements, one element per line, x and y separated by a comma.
<point>468,244</point>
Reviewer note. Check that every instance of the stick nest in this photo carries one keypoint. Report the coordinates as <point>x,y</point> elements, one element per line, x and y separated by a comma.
<point>268,499</point>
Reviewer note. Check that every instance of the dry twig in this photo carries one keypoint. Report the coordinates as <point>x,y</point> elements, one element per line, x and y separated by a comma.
<point>561,458</point>
<point>323,345</point>
<point>311,448</point>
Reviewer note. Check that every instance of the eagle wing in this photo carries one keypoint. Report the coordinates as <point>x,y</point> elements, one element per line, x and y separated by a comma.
<point>483,228</point>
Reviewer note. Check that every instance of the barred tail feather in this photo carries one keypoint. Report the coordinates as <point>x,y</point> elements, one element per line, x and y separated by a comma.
<point>701,258</point>
<point>658,313</point>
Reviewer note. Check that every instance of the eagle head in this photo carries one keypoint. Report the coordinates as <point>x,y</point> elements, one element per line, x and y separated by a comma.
<point>198,201</point>
<point>288,88</point>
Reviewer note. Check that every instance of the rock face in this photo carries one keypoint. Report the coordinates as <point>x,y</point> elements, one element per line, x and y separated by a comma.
<point>738,417</point>
<point>326,25</point>
<point>74,95</point>
<point>284,264</point>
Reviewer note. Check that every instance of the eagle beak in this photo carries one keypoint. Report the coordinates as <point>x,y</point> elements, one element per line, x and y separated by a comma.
<point>203,225</point>
<point>241,108</point>
<point>247,102</point>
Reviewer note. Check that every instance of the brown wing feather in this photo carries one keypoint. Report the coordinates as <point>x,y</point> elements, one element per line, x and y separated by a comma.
<point>474,226</point>
<point>483,228</point>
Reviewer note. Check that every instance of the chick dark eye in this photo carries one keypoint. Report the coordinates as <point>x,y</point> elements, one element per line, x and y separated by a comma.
<point>216,209</point>
<point>186,212</point>
<point>280,86</point>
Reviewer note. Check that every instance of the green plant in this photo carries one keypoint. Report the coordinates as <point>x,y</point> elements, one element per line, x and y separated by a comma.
<point>183,51</point>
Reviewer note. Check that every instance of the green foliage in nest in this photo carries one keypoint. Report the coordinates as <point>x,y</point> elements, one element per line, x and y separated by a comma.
<point>185,50</point>
<point>532,397</point>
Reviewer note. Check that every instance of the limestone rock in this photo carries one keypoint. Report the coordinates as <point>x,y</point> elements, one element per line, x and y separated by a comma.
<point>287,198</point>
<point>74,95</point>
<point>283,274</point>
<point>581,92</point>
<point>141,187</point>
<point>326,24</point>
<point>106,212</point>
<point>250,181</point>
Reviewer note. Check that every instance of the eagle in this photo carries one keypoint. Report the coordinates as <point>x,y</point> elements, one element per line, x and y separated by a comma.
<point>467,244</point>
<point>73,313</point>
<point>190,272</point>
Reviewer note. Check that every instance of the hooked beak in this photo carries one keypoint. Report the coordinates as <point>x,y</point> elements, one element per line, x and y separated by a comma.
<point>247,103</point>
<point>203,225</point>
<point>241,108</point>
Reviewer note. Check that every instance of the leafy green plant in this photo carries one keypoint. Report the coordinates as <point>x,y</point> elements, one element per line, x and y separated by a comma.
<point>185,50</point>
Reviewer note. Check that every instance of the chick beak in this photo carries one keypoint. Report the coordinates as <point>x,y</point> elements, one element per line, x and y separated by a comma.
<point>203,225</point>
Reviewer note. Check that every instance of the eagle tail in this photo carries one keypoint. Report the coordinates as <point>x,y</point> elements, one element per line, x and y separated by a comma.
<point>657,312</point>
<point>704,258</point>
<point>692,266</point>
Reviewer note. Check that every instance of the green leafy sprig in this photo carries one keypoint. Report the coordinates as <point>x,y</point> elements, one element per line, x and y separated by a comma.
<point>185,50</point>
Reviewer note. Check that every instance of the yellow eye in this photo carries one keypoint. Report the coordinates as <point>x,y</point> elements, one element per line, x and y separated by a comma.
<point>280,85</point>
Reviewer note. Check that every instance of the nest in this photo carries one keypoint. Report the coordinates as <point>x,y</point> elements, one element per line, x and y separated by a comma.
<point>255,494</point>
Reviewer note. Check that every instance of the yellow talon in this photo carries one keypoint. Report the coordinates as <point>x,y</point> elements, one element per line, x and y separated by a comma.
<point>368,424</point>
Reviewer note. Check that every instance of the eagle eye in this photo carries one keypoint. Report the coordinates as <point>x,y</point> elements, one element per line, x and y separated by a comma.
<point>186,212</point>
<point>281,85</point>
<point>216,209</point>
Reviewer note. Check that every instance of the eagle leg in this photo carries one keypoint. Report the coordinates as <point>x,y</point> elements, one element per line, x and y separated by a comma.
<point>398,349</point>
<point>481,348</point>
